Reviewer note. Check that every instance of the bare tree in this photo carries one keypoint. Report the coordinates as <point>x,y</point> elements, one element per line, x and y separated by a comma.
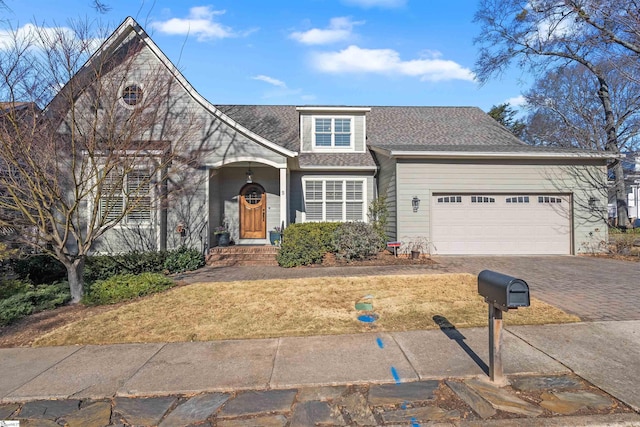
<point>545,34</point>
<point>102,151</point>
<point>564,111</point>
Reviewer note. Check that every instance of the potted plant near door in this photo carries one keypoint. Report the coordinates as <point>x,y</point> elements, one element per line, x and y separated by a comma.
<point>275,235</point>
<point>222,235</point>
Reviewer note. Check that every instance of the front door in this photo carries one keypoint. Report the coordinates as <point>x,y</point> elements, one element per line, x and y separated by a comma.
<point>253,205</point>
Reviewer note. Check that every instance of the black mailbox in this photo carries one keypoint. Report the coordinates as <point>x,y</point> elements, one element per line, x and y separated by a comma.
<point>503,291</point>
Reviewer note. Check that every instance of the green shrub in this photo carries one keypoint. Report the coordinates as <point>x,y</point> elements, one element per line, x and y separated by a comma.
<point>142,262</point>
<point>306,243</point>
<point>101,267</point>
<point>30,299</point>
<point>40,269</point>
<point>123,287</point>
<point>47,297</point>
<point>355,240</point>
<point>9,288</point>
<point>14,308</point>
<point>183,259</point>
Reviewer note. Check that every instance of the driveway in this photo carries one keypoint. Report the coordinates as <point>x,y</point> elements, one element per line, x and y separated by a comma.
<point>594,289</point>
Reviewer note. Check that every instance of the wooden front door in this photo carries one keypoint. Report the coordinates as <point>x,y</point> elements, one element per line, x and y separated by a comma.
<point>253,214</point>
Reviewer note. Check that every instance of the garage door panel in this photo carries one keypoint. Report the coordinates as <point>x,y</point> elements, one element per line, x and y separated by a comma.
<point>506,226</point>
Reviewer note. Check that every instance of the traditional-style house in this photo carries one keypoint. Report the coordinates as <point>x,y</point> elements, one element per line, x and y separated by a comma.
<point>451,175</point>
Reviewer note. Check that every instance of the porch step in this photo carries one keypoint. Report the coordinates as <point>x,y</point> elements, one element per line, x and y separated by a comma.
<point>242,255</point>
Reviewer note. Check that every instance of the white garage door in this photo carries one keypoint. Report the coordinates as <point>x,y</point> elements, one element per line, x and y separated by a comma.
<point>501,224</point>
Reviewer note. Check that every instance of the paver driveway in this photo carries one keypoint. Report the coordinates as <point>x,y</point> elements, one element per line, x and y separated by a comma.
<point>591,288</point>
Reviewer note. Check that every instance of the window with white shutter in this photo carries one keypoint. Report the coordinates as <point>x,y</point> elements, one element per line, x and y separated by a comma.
<point>131,192</point>
<point>334,200</point>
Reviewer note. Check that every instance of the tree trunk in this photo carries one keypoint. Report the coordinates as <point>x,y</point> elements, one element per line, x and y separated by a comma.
<point>75,271</point>
<point>613,147</point>
<point>621,195</point>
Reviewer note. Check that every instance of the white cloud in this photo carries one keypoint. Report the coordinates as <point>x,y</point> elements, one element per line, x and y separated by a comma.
<point>200,22</point>
<point>516,101</point>
<point>551,25</point>
<point>43,38</point>
<point>270,80</point>
<point>387,61</point>
<point>387,4</point>
<point>339,29</point>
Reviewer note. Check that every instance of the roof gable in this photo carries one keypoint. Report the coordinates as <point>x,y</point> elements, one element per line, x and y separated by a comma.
<point>129,29</point>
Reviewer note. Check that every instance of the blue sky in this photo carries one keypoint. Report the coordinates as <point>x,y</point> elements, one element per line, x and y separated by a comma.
<point>300,52</point>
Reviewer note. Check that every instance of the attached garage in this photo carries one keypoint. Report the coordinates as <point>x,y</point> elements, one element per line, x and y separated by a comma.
<point>457,179</point>
<point>501,224</point>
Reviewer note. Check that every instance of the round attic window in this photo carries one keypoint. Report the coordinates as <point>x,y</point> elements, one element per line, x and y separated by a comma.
<point>132,95</point>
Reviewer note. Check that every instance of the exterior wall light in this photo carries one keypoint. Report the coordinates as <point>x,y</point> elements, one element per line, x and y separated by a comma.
<point>415,203</point>
<point>249,175</point>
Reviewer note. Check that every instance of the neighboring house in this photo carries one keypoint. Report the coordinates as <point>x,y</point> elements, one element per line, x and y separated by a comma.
<point>452,175</point>
<point>631,167</point>
<point>633,198</point>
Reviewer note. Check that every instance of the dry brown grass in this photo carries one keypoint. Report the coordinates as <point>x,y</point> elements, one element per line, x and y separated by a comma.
<point>275,308</point>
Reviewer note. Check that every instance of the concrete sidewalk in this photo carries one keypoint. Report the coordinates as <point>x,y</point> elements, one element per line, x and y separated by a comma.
<point>606,354</point>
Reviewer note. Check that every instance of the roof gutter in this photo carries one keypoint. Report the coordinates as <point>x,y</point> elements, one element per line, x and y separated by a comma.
<point>339,168</point>
<point>490,155</point>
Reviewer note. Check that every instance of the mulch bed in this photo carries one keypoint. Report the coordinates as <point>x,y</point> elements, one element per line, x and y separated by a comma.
<point>381,259</point>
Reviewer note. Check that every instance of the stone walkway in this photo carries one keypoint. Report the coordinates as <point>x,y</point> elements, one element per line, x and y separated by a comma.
<point>531,400</point>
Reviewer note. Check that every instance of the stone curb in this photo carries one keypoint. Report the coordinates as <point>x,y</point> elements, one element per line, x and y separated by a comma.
<point>614,420</point>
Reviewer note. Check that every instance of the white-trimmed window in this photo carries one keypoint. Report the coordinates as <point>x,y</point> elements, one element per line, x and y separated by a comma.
<point>131,191</point>
<point>333,133</point>
<point>334,199</point>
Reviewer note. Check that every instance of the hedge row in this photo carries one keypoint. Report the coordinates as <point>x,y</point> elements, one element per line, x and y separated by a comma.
<point>307,243</point>
<point>41,269</point>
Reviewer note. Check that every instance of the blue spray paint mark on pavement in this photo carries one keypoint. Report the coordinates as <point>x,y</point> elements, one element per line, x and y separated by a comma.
<point>414,422</point>
<point>380,343</point>
<point>396,377</point>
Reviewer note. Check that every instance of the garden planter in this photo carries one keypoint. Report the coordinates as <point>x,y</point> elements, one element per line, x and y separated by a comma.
<point>223,239</point>
<point>415,254</point>
<point>275,236</point>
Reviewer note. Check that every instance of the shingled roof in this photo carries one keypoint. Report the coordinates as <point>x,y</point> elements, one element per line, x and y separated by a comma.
<point>435,126</point>
<point>395,129</point>
<point>279,124</point>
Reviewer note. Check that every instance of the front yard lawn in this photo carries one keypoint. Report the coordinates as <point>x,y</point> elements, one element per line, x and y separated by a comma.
<point>298,307</point>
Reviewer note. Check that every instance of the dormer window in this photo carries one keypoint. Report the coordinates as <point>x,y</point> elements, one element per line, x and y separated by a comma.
<point>333,133</point>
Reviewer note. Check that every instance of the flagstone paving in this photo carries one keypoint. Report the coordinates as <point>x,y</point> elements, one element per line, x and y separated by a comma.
<point>466,401</point>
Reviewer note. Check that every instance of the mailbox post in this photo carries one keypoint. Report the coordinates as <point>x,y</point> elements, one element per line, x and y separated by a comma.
<point>500,292</point>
